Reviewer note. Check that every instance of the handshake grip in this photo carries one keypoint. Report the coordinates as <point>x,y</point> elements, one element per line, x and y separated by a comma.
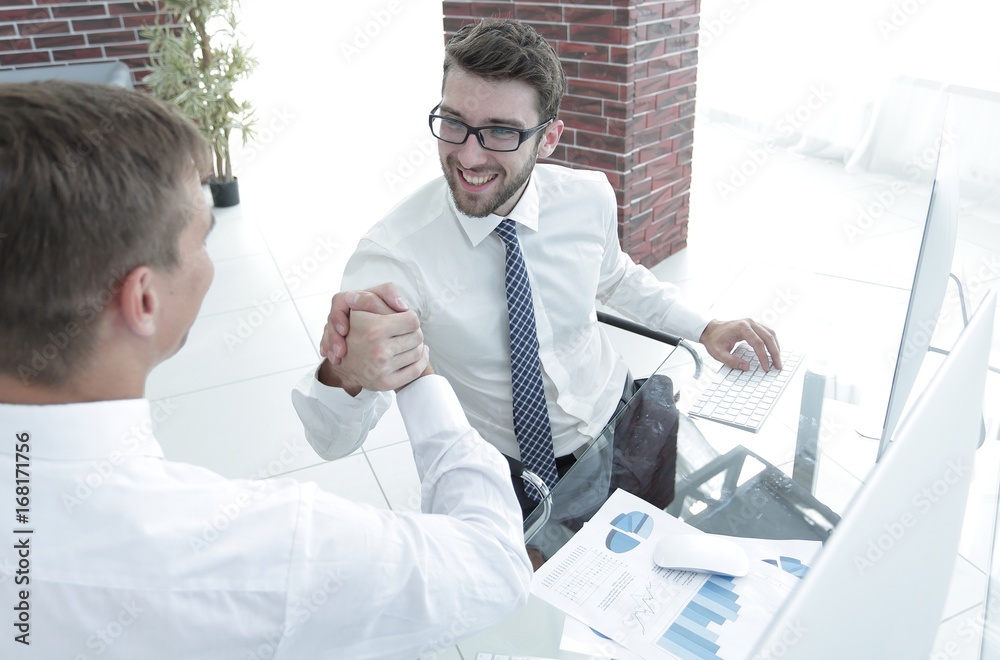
<point>372,340</point>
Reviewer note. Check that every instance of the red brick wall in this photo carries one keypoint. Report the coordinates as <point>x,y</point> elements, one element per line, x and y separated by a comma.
<point>50,32</point>
<point>629,107</point>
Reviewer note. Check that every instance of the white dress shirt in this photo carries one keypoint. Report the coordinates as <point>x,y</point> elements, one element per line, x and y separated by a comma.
<point>449,267</point>
<point>135,556</point>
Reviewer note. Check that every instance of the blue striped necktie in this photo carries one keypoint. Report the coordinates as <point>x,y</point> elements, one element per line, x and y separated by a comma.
<point>531,415</point>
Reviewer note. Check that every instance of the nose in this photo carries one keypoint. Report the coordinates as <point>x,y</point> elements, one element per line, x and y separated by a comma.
<point>470,153</point>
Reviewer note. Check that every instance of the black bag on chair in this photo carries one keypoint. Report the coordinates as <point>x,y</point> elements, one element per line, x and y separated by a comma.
<point>645,454</point>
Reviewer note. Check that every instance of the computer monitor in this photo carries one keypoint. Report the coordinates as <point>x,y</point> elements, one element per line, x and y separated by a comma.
<point>878,587</point>
<point>930,283</point>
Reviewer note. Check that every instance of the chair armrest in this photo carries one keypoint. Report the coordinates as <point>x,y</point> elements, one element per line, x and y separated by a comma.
<point>639,329</point>
<point>546,503</point>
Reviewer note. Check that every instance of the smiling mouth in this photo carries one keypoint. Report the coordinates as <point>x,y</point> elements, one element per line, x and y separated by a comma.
<point>476,180</point>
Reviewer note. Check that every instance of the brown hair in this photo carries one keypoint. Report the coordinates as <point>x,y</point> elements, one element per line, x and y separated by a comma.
<point>92,185</point>
<point>499,49</point>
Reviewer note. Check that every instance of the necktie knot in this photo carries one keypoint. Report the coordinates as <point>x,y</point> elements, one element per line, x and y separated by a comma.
<point>507,231</point>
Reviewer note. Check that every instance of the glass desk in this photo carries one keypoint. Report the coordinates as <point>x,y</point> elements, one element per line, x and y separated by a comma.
<point>738,483</point>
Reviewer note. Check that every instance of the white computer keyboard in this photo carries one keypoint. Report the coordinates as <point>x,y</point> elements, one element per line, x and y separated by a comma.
<point>744,398</point>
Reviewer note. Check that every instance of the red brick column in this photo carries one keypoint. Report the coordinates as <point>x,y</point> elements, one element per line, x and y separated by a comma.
<point>46,33</point>
<point>629,107</point>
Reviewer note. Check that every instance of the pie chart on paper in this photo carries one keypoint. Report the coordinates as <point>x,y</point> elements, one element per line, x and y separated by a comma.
<point>790,565</point>
<point>631,529</point>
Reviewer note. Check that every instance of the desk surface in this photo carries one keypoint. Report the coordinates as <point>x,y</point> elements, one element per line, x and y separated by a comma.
<point>845,458</point>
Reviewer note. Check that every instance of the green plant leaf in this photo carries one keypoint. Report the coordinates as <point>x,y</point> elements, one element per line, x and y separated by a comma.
<point>196,63</point>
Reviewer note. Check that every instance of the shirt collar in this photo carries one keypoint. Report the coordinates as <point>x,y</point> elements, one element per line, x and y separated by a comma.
<point>81,431</point>
<point>525,213</point>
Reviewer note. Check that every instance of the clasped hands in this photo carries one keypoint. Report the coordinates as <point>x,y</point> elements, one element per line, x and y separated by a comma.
<point>372,340</point>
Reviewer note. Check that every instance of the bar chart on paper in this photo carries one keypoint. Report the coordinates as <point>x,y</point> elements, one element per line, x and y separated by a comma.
<point>694,635</point>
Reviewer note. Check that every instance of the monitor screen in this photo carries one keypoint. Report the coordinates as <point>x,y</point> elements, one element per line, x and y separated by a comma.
<point>878,587</point>
<point>930,283</point>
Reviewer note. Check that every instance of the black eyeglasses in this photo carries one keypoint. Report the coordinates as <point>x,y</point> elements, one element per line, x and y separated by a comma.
<point>491,138</point>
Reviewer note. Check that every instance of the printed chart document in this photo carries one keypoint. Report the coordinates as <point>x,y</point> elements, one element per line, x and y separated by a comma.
<point>605,577</point>
<point>790,555</point>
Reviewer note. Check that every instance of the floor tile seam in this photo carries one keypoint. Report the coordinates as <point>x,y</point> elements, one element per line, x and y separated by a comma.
<point>320,462</point>
<point>244,308</point>
<point>309,336</point>
<point>301,369</point>
<point>378,482</point>
<point>275,264</point>
<point>384,446</point>
<point>219,260</point>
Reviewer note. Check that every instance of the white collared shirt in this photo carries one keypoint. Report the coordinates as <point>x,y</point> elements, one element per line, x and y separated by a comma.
<point>134,556</point>
<point>450,268</point>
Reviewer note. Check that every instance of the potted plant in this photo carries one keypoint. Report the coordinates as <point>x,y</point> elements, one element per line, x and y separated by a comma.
<point>196,62</point>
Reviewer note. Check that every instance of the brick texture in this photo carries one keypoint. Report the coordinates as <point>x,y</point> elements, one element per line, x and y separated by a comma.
<point>632,70</point>
<point>51,32</point>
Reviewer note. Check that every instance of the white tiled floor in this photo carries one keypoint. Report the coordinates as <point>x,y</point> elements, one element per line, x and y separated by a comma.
<point>322,172</point>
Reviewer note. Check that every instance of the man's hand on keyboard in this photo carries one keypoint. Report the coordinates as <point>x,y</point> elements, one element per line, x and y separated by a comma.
<point>719,338</point>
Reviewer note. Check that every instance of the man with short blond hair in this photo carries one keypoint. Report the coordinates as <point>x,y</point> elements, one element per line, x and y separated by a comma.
<point>103,269</point>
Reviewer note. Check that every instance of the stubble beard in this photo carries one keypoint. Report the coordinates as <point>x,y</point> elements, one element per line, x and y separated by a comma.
<point>493,202</point>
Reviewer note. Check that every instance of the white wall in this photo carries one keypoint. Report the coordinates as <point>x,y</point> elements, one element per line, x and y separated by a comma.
<point>763,59</point>
<point>335,69</point>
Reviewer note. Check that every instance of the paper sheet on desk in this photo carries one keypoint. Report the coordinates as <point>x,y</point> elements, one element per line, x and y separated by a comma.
<point>605,577</point>
<point>792,556</point>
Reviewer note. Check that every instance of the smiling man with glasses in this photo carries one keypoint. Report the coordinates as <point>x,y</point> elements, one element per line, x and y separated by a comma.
<point>489,174</point>
<point>503,261</point>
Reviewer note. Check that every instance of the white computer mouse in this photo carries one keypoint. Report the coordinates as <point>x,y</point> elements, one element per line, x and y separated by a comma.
<point>704,553</point>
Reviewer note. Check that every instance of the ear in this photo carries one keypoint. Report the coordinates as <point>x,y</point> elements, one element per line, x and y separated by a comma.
<point>139,302</point>
<point>550,138</point>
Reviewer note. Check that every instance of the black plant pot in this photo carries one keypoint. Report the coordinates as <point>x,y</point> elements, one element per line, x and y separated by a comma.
<point>225,194</point>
